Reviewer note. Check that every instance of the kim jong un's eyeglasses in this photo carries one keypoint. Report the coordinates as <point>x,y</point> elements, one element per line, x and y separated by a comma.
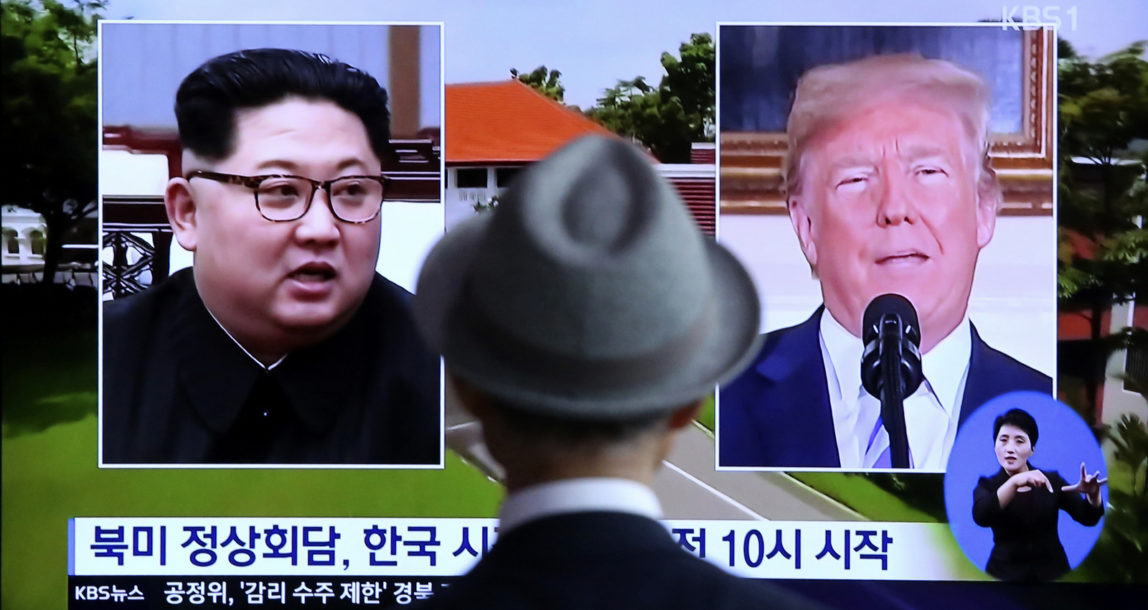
<point>283,197</point>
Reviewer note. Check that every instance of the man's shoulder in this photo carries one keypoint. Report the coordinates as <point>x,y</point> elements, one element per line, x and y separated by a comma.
<point>388,303</point>
<point>126,317</point>
<point>389,291</point>
<point>991,365</point>
<point>403,374</point>
<point>386,314</point>
<point>135,329</point>
<point>992,373</point>
<point>776,413</point>
<point>594,560</point>
<point>716,588</point>
<point>789,361</point>
<point>785,349</point>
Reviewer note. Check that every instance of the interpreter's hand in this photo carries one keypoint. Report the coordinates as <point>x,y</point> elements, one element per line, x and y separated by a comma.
<point>1087,485</point>
<point>1029,479</point>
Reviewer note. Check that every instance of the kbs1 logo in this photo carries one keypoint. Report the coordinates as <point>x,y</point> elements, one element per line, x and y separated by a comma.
<point>1015,17</point>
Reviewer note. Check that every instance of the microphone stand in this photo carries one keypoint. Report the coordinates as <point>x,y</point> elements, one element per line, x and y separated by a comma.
<point>893,391</point>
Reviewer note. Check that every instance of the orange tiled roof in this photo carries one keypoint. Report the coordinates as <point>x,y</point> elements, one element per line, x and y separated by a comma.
<point>507,121</point>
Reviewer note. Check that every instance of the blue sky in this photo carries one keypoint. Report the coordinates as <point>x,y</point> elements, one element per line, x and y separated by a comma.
<point>596,42</point>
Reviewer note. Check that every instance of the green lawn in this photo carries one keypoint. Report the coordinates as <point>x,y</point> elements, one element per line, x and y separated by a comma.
<point>49,377</point>
<point>863,496</point>
<point>707,415</point>
<point>50,475</point>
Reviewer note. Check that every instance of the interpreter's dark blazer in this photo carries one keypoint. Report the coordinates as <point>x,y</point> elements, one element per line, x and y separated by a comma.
<point>589,560</point>
<point>1026,545</point>
<point>777,412</point>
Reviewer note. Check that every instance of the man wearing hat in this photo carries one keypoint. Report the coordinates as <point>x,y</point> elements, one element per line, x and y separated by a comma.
<point>582,322</point>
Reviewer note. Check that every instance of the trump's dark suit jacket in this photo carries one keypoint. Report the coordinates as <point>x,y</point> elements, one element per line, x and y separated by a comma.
<point>580,561</point>
<point>777,412</point>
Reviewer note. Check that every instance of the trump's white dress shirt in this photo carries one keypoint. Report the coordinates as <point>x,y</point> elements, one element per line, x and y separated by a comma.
<point>931,413</point>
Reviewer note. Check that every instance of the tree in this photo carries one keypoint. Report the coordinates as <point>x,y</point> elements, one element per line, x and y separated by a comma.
<point>690,81</point>
<point>545,81</point>
<point>49,114</point>
<point>1119,554</point>
<point>670,118</point>
<point>1103,199</point>
<point>632,108</point>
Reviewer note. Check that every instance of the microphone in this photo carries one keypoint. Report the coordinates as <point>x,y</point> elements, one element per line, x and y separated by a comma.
<point>891,364</point>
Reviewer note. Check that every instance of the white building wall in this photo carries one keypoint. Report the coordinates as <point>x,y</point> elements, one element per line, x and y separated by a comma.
<point>23,222</point>
<point>1116,400</point>
<point>128,174</point>
<point>459,202</point>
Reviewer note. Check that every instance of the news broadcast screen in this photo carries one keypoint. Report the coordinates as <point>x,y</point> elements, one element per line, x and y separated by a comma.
<point>215,215</point>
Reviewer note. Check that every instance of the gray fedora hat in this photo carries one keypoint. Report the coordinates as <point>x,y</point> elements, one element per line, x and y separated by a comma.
<point>588,292</point>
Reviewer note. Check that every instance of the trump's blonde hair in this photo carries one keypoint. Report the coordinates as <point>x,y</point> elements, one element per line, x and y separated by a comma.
<point>829,94</point>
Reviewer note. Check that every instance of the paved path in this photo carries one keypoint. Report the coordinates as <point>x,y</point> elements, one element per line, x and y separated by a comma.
<point>688,485</point>
<point>690,488</point>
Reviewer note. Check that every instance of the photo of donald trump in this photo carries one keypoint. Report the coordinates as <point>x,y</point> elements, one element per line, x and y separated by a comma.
<point>890,188</point>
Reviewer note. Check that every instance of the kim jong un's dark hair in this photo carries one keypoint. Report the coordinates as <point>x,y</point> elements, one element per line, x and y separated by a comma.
<point>209,97</point>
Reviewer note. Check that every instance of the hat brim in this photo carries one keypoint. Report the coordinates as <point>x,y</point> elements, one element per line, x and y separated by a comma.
<point>729,344</point>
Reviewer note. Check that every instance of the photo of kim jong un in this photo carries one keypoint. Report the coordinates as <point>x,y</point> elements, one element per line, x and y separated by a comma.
<point>268,191</point>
